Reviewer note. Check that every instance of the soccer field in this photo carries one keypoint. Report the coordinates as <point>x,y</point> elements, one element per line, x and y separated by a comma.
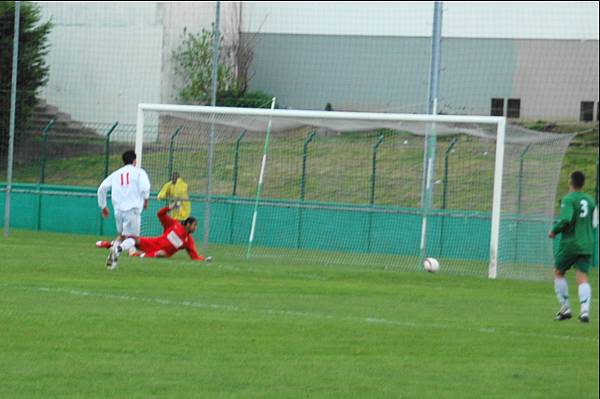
<point>259,329</point>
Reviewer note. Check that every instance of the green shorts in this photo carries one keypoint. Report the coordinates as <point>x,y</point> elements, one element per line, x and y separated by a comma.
<point>581,262</point>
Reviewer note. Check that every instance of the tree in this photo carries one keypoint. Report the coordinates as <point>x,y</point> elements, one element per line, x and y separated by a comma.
<point>32,71</point>
<point>193,62</point>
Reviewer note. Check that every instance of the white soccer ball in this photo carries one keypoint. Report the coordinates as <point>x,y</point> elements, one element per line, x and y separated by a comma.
<point>431,265</point>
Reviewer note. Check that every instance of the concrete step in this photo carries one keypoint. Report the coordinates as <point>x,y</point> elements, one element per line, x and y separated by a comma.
<point>64,129</point>
<point>63,124</point>
<point>50,109</point>
<point>38,115</point>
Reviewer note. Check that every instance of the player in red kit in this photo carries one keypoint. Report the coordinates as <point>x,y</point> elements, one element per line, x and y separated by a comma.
<point>176,235</point>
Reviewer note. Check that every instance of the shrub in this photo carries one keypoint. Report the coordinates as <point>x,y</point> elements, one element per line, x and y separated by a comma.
<point>251,99</point>
<point>193,62</point>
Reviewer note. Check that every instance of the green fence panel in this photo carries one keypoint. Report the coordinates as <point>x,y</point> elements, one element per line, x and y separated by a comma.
<point>395,231</point>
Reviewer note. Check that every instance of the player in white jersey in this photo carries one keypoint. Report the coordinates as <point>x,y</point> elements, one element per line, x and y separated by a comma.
<point>130,188</point>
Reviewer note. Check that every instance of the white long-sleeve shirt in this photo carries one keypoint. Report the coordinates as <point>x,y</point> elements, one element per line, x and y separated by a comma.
<point>129,185</point>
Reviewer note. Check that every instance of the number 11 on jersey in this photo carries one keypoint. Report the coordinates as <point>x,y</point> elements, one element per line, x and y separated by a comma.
<point>125,179</point>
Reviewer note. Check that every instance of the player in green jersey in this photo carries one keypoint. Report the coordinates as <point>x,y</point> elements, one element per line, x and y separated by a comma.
<point>578,217</point>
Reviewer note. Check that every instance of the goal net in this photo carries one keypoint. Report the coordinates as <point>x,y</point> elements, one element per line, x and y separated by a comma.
<point>367,189</point>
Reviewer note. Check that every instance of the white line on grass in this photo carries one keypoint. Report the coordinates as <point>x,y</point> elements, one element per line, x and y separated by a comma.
<point>269,272</point>
<point>294,313</point>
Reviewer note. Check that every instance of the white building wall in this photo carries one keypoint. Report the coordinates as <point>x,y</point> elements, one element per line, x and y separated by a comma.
<point>543,53</point>
<point>339,18</point>
<point>104,58</point>
<point>556,20</point>
<point>497,20</point>
<point>193,16</point>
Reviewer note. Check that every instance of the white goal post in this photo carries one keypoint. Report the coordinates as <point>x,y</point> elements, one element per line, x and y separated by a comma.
<point>499,123</point>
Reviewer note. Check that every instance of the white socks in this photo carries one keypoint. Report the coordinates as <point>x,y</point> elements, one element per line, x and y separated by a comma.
<point>562,292</point>
<point>585,297</point>
<point>128,244</point>
<point>115,245</point>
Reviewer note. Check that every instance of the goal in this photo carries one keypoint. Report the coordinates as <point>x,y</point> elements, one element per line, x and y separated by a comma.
<point>378,190</point>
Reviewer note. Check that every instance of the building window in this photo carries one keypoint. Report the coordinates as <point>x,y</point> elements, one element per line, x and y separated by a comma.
<point>497,107</point>
<point>587,111</point>
<point>514,108</point>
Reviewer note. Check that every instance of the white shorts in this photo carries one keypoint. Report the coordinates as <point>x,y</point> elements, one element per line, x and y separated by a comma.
<point>129,222</point>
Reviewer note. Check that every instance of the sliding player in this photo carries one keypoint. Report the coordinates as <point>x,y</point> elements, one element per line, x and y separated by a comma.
<point>176,235</point>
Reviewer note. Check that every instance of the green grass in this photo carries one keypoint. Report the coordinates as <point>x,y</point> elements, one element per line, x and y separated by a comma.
<point>583,159</point>
<point>257,329</point>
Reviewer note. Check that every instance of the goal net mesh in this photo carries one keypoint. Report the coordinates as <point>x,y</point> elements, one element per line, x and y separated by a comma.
<point>347,190</point>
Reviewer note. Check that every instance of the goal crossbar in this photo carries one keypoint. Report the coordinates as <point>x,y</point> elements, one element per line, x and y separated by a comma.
<point>284,113</point>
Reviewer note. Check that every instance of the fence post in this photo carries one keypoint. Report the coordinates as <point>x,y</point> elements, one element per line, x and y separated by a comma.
<point>107,148</point>
<point>170,162</point>
<point>310,138</point>
<point>236,158</point>
<point>372,195</point>
<point>106,156</point>
<point>42,171</point>
<point>519,196</point>
<point>43,157</point>
<point>445,194</point>
<point>597,229</point>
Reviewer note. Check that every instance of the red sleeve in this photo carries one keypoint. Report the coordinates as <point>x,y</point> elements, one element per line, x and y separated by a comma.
<point>166,220</point>
<point>190,247</point>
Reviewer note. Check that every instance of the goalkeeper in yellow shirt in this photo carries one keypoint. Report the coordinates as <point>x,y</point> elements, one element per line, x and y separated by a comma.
<point>176,192</point>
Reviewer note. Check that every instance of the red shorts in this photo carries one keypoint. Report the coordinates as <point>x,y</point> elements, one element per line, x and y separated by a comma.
<point>149,245</point>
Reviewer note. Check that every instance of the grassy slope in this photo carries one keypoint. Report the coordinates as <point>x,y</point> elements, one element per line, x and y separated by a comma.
<point>233,329</point>
<point>353,166</point>
<point>583,159</point>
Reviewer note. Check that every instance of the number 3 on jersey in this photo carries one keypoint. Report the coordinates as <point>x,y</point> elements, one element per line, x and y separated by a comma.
<point>584,209</point>
<point>125,179</point>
